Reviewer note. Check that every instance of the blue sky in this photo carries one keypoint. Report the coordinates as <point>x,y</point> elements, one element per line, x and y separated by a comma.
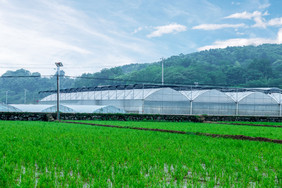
<point>90,35</point>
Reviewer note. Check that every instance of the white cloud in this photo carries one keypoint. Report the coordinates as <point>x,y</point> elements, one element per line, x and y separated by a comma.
<point>244,15</point>
<point>34,37</point>
<point>166,29</point>
<point>259,22</point>
<point>243,42</point>
<point>264,6</point>
<point>217,26</point>
<point>235,3</point>
<point>239,33</point>
<point>137,30</point>
<point>275,22</point>
<point>257,16</point>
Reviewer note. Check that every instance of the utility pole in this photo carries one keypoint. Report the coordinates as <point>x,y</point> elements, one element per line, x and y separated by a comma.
<point>280,103</point>
<point>7,97</point>
<point>162,60</point>
<point>58,64</point>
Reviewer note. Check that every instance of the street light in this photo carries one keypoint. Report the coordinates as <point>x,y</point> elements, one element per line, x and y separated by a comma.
<point>7,97</point>
<point>58,64</point>
<point>162,60</point>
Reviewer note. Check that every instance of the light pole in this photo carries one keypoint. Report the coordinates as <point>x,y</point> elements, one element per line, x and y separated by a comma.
<point>7,97</point>
<point>162,59</point>
<point>58,64</point>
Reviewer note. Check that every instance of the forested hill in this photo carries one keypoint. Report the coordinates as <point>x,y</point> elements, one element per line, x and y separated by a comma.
<point>247,66</point>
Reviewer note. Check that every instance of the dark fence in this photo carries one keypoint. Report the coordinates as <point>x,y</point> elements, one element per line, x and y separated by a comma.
<point>21,116</point>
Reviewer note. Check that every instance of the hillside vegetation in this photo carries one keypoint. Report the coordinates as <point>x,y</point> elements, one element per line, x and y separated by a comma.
<point>233,66</point>
<point>247,66</point>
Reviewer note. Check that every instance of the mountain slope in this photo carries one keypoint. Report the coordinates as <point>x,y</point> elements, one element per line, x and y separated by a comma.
<point>247,66</point>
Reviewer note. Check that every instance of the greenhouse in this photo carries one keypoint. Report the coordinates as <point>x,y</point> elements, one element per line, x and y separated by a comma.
<point>171,99</point>
<point>258,104</point>
<point>148,101</point>
<point>8,108</point>
<point>29,107</point>
<point>211,102</point>
<point>165,101</point>
<point>63,108</point>
<point>84,109</point>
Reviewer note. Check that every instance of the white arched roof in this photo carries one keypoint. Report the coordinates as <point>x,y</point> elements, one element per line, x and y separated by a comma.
<point>238,96</point>
<point>213,96</point>
<point>63,108</point>
<point>30,107</point>
<point>165,94</point>
<point>258,98</point>
<point>94,109</point>
<point>207,96</point>
<point>103,95</point>
<point>8,108</point>
<point>66,108</point>
<point>191,95</point>
<point>277,97</point>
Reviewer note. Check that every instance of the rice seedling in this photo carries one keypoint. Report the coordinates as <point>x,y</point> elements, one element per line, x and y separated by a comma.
<point>42,154</point>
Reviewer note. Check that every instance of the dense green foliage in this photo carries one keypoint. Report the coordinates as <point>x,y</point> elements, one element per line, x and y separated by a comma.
<point>233,66</point>
<point>247,66</point>
<point>267,132</point>
<point>27,85</point>
<point>60,155</point>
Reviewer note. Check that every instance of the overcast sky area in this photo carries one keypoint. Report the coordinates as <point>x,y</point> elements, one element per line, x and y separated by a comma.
<point>90,35</point>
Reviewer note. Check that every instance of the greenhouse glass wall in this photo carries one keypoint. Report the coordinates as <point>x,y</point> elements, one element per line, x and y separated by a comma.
<point>186,100</point>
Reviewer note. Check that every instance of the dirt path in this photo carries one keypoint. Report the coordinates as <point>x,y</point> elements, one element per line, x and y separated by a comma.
<point>244,124</point>
<point>236,137</point>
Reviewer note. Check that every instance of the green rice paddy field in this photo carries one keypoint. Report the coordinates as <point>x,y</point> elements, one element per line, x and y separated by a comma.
<point>52,154</point>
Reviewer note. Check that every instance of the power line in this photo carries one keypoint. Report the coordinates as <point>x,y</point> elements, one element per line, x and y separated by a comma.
<point>120,80</point>
<point>95,78</point>
<point>33,76</point>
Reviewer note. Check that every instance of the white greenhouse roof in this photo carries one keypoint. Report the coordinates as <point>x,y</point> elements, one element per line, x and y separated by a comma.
<point>8,108</point>
<point>94,108</point>
<point>158,94</point>
<point>70,108</point>
<point>104,95</point>
<point>63,108</point>
<point>192,95</point>
<point>166,94</point>
<point>277,97</point>
<point>30,107</point>
<point>53,108</point>
<point>238,96</point>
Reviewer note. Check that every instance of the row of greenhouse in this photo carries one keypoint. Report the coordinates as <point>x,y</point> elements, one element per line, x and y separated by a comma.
<point>159,100</point>
<point>63,108</point>
<point>166,100</point>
